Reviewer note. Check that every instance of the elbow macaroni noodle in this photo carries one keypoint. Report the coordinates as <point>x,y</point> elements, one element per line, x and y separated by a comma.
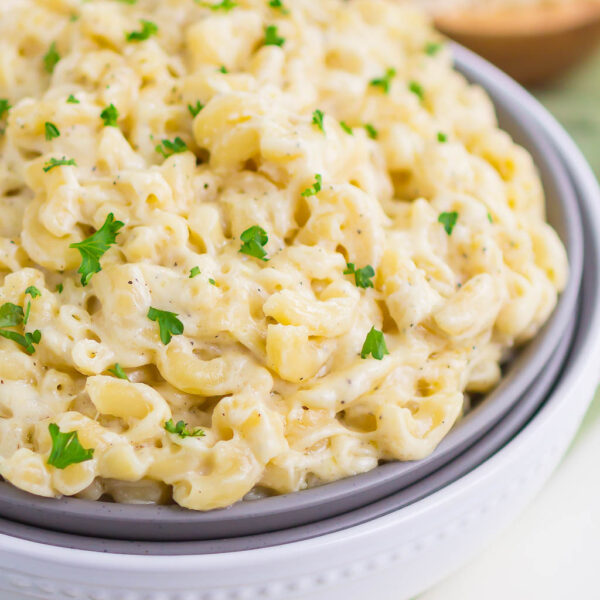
<point>269,363</point>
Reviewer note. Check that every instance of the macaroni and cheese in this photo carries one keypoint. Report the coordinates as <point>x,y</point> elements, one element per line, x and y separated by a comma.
<point>249,246</point>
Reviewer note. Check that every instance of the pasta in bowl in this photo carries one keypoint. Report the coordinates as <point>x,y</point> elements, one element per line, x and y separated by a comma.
<point>243,252</point>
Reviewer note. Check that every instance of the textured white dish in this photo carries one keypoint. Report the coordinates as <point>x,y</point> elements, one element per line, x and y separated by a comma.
<point>395,556</point>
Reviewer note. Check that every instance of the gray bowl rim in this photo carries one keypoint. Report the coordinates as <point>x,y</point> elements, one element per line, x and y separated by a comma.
<point>73,515</point>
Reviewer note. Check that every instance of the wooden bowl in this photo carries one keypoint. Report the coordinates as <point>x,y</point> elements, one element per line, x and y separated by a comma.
<point>532,44</point>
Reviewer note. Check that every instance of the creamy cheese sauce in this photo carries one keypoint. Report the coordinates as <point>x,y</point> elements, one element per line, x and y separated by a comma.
<point>315,135</point>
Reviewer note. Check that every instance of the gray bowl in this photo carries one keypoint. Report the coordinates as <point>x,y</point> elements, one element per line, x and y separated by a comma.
<point>251,518</point>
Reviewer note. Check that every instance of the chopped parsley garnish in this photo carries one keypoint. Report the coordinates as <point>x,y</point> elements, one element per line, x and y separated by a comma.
<point>223,69</point>
<point>34,293</point>
<point>72,100</point>
<point>416,88</point>
<point>117,371</point>
<point>254,240</point>
<point>225,5</point>
<point>168,324</point>
<point>212,281</point>
<point>180,429</point>
<point>279,5</point>
<point>127,1</point>
<point>66,448</point>
<point>272,38</point>
<point>374,345</point>
<point>489,216</point>
<point>51,58</point>
<point>317,119</point>
<point>110,115</point>
<point>385,82</point>
<point>432,48</point>
<point>371,131</point>
<point>148,29</point>
<point>51,131</point>
<point>362,277</point>
<point>11,315</point>
<point>168,148</point>
<point>315,188</point>
<point>442,137</point>
<point>59,162</point>
<point>346,128</point>
<point>59,288</point>
<point>27,311</point>
<point>93,248</point>
<point>448,220</point>
<point>194,110</point>
<point>194,272</point>
<point>4,107</point>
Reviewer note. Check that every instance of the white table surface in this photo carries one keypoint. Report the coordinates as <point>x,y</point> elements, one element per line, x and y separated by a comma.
<point>553,551</point>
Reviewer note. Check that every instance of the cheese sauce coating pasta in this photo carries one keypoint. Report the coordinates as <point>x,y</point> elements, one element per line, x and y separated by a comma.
<point>250,246</point>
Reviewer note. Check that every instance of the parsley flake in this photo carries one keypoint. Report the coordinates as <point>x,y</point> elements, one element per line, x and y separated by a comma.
<point>385,82</point>
<point>51,58</point>
<point>371,131</point>
<point>272,38</point>
<point>194,272</point>
<point>181,429</point>
<point>432,48</point>
<point>27,311</point>
<point>346,128</point>
<point>254,240</point>
<point>148,29</point>
<point>59,288</point>
<point>442,137</point>
<point>223,69</point>
<point>59,162</point>
<point>448,220</point>
<point>362,277</point>
<point>225,5</point>
<point>72,100</point>
<point>4,107</point>
<point>278,4</point>
<point>11,315</point>
<point>489,216</point>
<point>110,115</point>
<point>317,119</point>
<point>117,371</point>
<point>168,148</point>
<point>93,248</point>
<point>34,293</point>
<point>374,345</point>
<point>417,89</point>
<point>66,448</point>
<point>168,323</point>
<point>51,131</point>
<point>314,189</point>
<point>212,281</point>
<point>27,341</point>
<point>194,110</point>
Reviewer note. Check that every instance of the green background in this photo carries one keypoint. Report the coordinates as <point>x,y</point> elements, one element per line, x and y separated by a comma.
<point>575,101</point>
